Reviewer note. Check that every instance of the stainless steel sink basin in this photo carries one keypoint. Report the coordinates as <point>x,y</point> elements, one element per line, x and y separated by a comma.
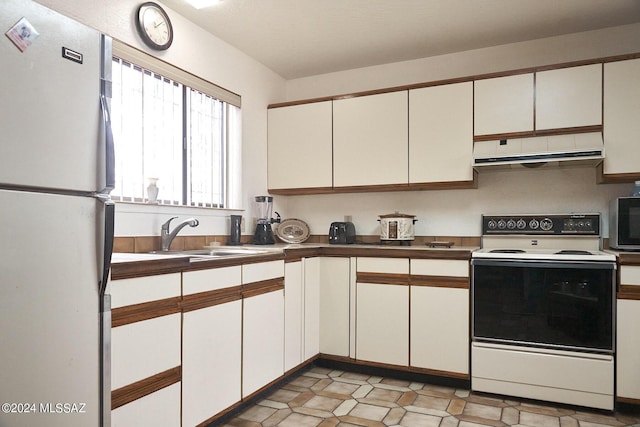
<point>202,254</point>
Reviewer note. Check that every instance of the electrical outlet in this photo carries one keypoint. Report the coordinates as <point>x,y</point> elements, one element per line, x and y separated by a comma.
<point>347,218</point>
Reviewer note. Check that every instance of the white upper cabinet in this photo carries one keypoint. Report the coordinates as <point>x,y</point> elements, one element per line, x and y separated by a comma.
<point>370,138</point>
<point>503,105</point>
<point>621,126</point>
<point>299,146</point>
<point>569,97</point>
<point>441,133</point>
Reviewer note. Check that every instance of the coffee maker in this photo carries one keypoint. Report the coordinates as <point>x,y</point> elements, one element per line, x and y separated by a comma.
<point>264,232</point>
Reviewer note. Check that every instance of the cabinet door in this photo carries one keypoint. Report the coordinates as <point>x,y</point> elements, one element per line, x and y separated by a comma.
<point>211,355</point>
<point>440,328</point>
<point>569,97</point>
<point>441,133</point>
<point>211,342</point>
<point>161,408</point>
<point>370,140</point>
<point>621,129</point>
<point>293,314</point>
<point>628,349</point>
<point>334,306</point>
<point>300,146</point>
<point>503,105</point>
<point>382,323</point>
<point>262,340</point>
<point>312,279</point>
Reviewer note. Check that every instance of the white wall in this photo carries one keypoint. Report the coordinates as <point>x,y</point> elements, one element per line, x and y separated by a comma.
<point>457,212</point>
<point>446,212</point>
<point>200,53</point>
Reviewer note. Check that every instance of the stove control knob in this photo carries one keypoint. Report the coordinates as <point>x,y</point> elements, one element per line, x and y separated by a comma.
<point>502,224</point>
<point>521,224</point>
<point>492,224</point>
<point>546,224</point>
<point>534,224</point>
<point>511,224</point>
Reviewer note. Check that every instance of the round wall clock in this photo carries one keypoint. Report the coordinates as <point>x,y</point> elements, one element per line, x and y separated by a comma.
<point>154,26</point>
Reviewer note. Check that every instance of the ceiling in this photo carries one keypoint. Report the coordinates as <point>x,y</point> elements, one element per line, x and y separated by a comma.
<point>299,38</point>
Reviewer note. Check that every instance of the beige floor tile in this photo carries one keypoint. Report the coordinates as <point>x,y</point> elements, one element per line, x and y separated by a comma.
<point>300,420</point>
<point>369,412</point>
<point>332,398</point>
<point>345,407</point>
<point>394,416</point>
<point>257,413</point>
<point>482,411</point>
<point>411,419</point>
<point>341,388</point>
<point>432,402</point>
<point>538,420</point>
<point>322,403</point>
<point>386,395</point>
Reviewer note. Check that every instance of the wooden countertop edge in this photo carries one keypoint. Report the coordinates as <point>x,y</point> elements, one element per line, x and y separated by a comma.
<point>151,267</point>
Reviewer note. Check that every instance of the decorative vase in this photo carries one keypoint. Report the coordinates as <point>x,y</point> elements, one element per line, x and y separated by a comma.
<point>152,191</point>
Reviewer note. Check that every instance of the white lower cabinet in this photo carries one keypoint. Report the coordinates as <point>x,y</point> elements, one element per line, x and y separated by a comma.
<point>145,351</point>
<point>211,343</point>
<point>382,310</point>
<point>440,315</point>
<point>335,307</point>
<point>293,314</point>
<point>262,325</point>
<point>628,338</point>
<point>311,301</point>
<point>628,350</point>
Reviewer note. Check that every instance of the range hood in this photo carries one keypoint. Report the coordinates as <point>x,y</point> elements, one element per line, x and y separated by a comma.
<point>582,149</point>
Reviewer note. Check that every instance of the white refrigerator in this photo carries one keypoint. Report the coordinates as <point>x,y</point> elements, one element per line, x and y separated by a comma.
<point>56,235</point>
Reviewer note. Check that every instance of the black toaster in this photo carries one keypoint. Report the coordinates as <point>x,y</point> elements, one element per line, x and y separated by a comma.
<point>342,233</point>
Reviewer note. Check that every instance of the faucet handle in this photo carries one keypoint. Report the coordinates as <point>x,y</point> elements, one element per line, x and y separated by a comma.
<point>166,225</point>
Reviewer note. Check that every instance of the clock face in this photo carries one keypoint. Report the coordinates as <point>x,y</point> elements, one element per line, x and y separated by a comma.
<point>154,26</point>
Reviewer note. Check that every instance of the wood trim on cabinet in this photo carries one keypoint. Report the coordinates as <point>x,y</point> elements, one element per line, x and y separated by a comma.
<point>539,132</point>
<point>262,287</point>
<point>152,267</point>
<point>206,299</point>
<point>144,387</point>
<point>397,368</point>
<point>628,400</point>
<point>383,278</point>
<point>414,186</point>
<point>631,292</point>
<point>439,281</point>
<point>614,178</point>
<point>629,258</point>
<point>472,77</point>
<point>144,311</point>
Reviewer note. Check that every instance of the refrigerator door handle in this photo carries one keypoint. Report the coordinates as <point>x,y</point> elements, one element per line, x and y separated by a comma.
<point>109,221</point>
<point>110,159</point>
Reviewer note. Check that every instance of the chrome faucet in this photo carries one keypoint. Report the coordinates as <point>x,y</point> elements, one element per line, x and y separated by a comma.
<point>167,237</point>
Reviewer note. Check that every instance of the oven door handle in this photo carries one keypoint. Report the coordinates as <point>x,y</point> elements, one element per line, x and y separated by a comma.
<point>545,264</point>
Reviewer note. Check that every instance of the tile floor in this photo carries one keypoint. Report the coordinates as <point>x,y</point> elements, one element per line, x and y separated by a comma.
<point>322,397</point>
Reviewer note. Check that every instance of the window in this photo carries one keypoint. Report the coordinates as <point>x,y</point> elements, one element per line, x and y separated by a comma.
<point>169,131</point>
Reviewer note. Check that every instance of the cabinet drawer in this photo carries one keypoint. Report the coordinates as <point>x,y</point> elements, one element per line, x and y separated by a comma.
<point>630,275</point>
<point>440,267</point>
<point>383,265</point>
<point>209,280</point>
<point>262,271</point>
<point>142,349</point>
<point>144,289</point>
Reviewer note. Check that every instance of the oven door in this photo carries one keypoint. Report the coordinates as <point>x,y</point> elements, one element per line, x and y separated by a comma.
<point>566,305</point>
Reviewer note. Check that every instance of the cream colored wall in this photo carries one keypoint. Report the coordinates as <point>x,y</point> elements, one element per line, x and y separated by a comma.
<point>202,54</point>
<point>457,212</point>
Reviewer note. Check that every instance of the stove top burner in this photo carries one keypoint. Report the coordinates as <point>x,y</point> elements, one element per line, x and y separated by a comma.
<point>573,252</point>
<point>507,251</point>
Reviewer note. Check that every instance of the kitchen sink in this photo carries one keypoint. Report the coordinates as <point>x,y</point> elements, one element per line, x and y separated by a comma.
<point>202,254</point>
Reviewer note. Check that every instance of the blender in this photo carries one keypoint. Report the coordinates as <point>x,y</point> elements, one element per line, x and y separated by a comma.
<point>264,232</point>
